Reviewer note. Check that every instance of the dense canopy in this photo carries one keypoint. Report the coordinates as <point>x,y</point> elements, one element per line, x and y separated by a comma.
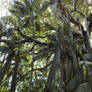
<point>45,46</point>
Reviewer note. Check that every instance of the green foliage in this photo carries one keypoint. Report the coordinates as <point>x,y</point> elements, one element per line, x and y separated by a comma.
<point>41,51</point>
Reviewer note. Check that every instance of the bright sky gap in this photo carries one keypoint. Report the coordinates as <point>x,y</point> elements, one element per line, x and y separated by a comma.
<point>4,4</point>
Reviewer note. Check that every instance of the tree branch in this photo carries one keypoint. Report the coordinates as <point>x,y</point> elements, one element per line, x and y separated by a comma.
<point>76,10</point>
<point>41,69</point>
<point>75,3</point>
<point>29,39</point>
<point>14,76</point>
<point>85,34</point>
<point>67,13</point>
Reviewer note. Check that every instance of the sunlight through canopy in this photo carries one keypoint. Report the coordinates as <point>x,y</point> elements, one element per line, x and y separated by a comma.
<point>4,7</point>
